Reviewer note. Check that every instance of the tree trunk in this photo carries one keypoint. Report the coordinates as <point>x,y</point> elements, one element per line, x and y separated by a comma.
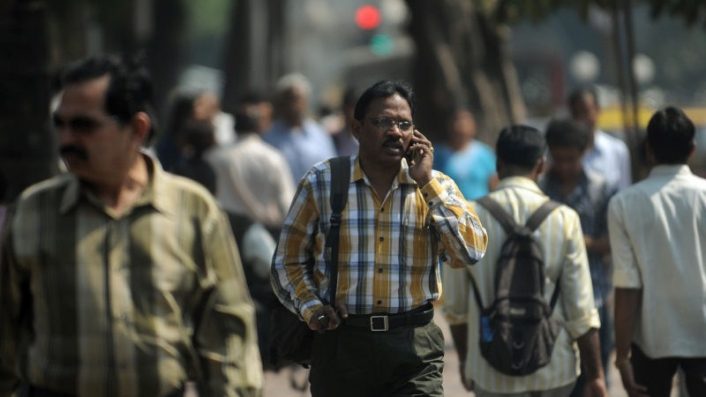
<point>27,148</point>
<point>164,49</point>
<point>462,60</point>
<point>254,53</point>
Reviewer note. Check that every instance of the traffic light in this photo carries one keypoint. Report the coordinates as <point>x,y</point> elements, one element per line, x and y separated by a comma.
<point>367,17</point>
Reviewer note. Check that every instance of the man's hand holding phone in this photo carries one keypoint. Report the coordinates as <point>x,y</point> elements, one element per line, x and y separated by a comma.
<point>420,157</point>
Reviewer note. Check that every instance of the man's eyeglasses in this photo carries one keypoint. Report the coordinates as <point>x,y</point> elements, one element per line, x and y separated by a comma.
<point>79,124</point>
<point>385,123</point>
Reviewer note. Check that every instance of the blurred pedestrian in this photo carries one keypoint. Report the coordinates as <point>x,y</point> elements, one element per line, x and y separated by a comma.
<point>253,178</point>
<point>658,238</point>
<point>254,186</point>
<point>168,147</point>
<point>470,163</point>
<point>606,155</point>
<point>118,278</point>
<point>198,138</point>
<point>569,182</point>
<point>520,152</point>
<point>300,139</point>
<point>400,220</point>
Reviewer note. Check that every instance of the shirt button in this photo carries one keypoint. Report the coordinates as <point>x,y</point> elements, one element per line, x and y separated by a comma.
<point>382,238</point>
<point>379,302</point>
<point>380,270</point>
<point>382,209</point>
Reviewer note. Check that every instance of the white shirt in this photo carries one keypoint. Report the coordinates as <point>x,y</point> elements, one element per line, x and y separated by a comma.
<point>610,158</point>
<point>252,178</point>
<point>564,251</point>
<point>658,239</point>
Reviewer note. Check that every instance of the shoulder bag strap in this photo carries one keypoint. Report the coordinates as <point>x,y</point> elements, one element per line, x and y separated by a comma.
<point>340,181</point>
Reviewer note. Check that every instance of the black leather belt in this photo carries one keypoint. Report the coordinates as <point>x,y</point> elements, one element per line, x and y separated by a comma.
<point>385,322</point>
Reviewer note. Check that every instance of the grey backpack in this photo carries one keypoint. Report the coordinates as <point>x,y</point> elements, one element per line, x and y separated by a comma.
<point>517,332</point>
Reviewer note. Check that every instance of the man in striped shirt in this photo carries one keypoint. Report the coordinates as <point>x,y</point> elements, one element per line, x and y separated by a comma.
<point>118,279</point>
<point>520,152</point>
<point>401,218</point>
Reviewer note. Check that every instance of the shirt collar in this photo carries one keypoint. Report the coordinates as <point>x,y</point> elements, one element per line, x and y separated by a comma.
<point>519,182</point>
<point>403,177</point>
<point>155,193</point>
<point>670,170</point>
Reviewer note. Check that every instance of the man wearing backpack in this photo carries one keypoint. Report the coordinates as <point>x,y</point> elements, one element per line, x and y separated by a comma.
<point>515,336</point>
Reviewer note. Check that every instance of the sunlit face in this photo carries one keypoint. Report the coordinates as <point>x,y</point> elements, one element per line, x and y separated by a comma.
<point>94,145</point>
<point>386,130</point>
<point>586,111</point>
<point>566,163</point>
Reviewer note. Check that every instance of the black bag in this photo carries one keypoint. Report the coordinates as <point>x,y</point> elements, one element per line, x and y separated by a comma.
<point>517,331</point>
<point>290,337</point>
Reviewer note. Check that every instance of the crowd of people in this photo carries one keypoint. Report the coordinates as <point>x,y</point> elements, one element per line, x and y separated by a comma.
<point>120,278</point>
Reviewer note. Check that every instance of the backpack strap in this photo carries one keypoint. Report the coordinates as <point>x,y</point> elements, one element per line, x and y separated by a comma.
<point>541,214</point>
<point>534,221</point>
<point>340,181</point>
<point>510,226</point>
<point>506,221</point>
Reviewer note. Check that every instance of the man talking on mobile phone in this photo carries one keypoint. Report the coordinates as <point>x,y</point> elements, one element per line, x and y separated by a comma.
<point>401,220</point>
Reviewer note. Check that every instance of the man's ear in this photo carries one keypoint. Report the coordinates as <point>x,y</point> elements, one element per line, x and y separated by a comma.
<point>141,124</point>
<point>539,167</point>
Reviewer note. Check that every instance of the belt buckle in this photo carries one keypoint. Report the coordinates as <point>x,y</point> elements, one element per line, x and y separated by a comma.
<point>375,323</point>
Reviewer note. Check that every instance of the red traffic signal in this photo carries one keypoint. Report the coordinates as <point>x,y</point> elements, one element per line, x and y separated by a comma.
<point>367,17</point>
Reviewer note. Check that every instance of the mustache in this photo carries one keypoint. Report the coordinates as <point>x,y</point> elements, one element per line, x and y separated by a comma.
<point>393,141</point>
<point>79,152</point>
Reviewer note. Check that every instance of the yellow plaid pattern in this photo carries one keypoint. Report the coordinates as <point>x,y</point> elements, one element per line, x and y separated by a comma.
<point>390,247</point>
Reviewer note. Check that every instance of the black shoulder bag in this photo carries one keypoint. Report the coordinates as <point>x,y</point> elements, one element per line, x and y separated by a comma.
<point>290,338</point>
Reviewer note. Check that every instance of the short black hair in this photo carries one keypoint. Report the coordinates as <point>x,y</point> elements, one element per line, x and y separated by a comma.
<point>521,146</point>
<point>129,90</point>
<point>567,133</point>
<point>670,134</point>
<point>383,89</point>
<point>579,94</point>
<point>246,120</point>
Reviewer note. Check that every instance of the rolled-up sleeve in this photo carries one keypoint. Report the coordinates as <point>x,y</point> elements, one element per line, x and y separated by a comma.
<point>626,273</point>
<point>462,237</point>
<point>226,336</point>
<point>575,282</point>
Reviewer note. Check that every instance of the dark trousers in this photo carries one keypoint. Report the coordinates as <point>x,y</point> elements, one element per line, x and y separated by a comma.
<point>406,361</point>
<point>657,374</point>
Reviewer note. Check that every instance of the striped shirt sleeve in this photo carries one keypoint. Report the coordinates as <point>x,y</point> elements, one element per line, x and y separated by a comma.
<point>463,239</point>
<point>226,335</point>
<point>291,275</point>
<point>11,277</point>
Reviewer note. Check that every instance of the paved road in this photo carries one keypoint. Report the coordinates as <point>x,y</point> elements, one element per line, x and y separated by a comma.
<point>278,384</point>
